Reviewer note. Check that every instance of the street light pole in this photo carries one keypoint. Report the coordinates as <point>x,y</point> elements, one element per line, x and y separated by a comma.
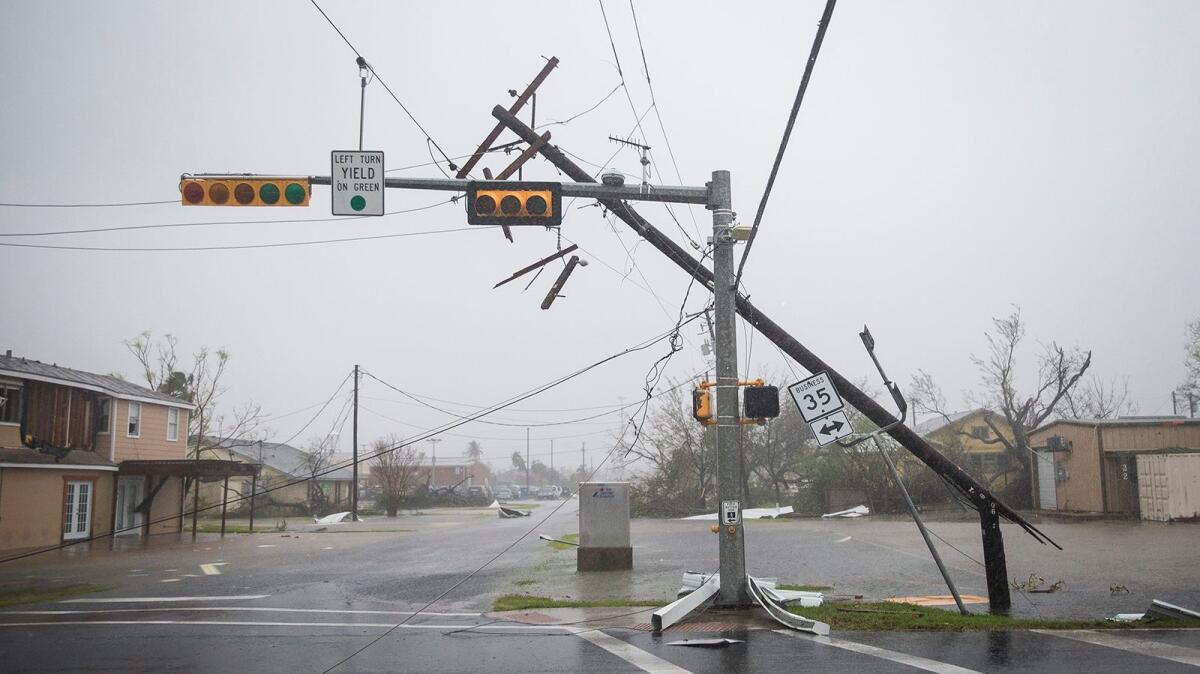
<point>354,444</point>
<point>732,550</point>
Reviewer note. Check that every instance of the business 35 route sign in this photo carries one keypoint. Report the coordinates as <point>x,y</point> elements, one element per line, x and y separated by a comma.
<point>821,407</point>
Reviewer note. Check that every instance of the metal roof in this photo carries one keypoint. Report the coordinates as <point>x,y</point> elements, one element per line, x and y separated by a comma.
<point>939,422</point>
<point>284,458</point>
<point>15,366</point>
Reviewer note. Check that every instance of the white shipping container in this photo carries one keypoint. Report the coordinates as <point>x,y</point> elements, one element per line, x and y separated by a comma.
<point>1169,486</point>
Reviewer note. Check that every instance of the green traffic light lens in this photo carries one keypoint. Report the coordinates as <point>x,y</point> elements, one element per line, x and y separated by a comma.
<point>536,205</point>
<point>294,193</point>
<point>269,193</point>
<point>243,193</point>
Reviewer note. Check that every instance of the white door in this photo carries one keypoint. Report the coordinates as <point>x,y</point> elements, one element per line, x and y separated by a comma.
<point>130,492</point>
<point>77,510</point>
<point>1047,494</point>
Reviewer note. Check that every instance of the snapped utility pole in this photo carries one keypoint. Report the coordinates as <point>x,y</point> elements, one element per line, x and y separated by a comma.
<point>733,591</point>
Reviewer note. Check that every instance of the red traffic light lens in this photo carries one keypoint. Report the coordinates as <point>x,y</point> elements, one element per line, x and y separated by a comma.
<point>243,193</point>
<point>536,205</point>
<point>485,205</point>
<point>218,193</point>
<point>510,205</point>
<point>193,193</point>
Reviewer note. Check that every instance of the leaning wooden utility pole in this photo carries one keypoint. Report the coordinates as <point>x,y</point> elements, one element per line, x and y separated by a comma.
<point>989,507</point>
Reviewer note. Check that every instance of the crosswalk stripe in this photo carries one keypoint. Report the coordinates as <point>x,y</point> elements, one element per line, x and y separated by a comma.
<point>916,661</point>
<point>1153,649</point>
<point>629,653</point>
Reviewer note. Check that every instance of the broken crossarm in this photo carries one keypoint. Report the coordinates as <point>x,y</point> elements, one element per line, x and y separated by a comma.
<point>538,265</point>
<point>551,63</point>
<point>560,282</point>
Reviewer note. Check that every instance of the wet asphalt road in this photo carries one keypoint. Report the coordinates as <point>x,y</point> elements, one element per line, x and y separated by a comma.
<point>308,599</point>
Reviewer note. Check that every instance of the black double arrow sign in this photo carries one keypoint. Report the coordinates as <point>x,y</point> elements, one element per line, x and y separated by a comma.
<point>831,427</point>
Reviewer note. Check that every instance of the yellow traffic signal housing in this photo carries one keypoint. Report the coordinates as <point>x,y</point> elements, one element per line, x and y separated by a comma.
<point>244,191</point>
<point>702,405</point>
<point>500,202</point>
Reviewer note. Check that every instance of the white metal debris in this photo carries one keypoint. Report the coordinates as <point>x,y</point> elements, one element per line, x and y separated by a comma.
<point>750,514</point>
<point>335,518</point>
<point>782,615</point>
<point>856,511</point>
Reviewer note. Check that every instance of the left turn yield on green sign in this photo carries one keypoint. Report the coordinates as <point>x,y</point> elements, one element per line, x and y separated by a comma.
<point>357,182</point>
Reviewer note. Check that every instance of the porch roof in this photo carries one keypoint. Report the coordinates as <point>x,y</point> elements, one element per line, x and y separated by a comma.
<point>203,469</point>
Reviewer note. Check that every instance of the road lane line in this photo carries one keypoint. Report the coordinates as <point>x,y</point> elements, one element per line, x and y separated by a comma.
<point>916,661</point>
<point>262,609</point>
<point>629,653</point>
<point>1153,649</point>
<point>210,569</point>
<point>140,600</point>
<point>253,623</point>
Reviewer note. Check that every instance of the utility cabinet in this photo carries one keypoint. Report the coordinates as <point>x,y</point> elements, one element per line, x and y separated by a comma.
<point>604,527</point>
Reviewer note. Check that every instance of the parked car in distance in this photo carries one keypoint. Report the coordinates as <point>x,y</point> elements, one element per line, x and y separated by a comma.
<point>551,492</point>
<point>504,494</point>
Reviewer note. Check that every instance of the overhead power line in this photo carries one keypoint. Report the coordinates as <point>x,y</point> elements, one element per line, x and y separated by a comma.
<point>245,247</point>
<point>167,225</point>
<point>10,204</point>
<point>391,93</point>
<point>787,133</point>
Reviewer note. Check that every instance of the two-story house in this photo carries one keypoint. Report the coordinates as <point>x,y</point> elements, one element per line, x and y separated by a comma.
<point>84,455</point>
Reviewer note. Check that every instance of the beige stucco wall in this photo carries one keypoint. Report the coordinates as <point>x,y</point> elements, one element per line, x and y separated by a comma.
<point>151,442</point>
<point>31,505</point>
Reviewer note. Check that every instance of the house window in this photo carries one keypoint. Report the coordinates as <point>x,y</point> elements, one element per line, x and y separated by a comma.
<point>979,432</point>
<point>10,404</point>
<point>172,424</point>
<point>103,409</point>
<point>135,420</point>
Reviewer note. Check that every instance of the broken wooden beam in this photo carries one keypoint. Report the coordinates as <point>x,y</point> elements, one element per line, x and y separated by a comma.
<point>537,265</point>
<point>560,282</point>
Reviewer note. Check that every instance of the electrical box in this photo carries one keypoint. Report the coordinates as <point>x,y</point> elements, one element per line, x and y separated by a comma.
<point>604,527</point>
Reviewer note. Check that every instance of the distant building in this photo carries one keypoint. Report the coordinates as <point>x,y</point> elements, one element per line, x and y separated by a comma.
<point>287,476</point>
<point>982,455</point>
<point>1147,466</point>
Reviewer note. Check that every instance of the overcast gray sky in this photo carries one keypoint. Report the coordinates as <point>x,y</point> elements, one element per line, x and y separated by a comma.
<point>951,160</point>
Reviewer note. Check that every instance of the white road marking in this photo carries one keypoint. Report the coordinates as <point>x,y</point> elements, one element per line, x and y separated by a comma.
<point>629,653</point>
<point>843,540</point>
<point>261,609</point>
<point>211,569</point>
<point>139,600</point>
<point>266,546</point>
<point>916,661</point>
<point>170,580</point>
<point>1153,649</point>
<point>250,623</point>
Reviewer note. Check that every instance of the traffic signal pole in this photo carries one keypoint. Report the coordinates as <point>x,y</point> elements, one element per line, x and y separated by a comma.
<point>733,591</point>
<point>989,506</point>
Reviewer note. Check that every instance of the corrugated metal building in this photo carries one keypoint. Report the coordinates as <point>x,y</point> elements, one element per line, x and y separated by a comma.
<point>1099,465</point>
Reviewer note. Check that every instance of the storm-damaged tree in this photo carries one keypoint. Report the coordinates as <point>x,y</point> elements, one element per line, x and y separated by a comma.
<point>682,458</point>
<point>1189,390</point>
<point>1096,398</point>
<point>1059,370</point>
<point>474,452</point>
<point>394,471</point>
<point>314,462</point>
<point>200,384</point>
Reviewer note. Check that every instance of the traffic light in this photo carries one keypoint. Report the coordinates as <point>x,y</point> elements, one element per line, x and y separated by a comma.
<point>500,202</point>
<point>243,191</point>
<point>702,405</point>
<point>760,402</point>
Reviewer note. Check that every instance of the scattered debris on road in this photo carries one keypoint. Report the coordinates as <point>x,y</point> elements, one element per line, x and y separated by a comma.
<point>750,514</point>
<point>706,643</point>
<point>856,511</point>
<point>335,518</point>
